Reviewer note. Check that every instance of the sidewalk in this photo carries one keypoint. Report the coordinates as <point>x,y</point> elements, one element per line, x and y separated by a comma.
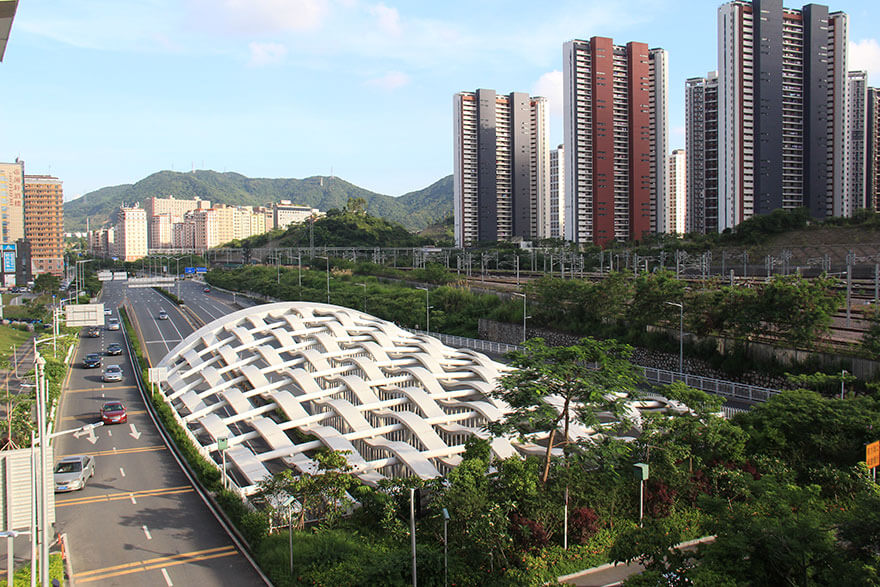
<point>615,574</point>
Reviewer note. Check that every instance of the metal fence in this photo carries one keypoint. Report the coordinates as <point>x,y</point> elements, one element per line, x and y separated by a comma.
<point>727,389</point>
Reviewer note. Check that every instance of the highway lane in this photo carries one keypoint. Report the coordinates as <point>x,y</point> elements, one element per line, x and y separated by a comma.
<point>138,521</point>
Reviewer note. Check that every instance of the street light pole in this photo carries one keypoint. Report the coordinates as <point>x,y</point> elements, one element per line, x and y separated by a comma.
<point>843,373</point>
<point>365,295</point>
<point>680,335</point>
<point>39,364</point>
<point>328,276</point>
<point>427,309</point>
<point>525,317</point>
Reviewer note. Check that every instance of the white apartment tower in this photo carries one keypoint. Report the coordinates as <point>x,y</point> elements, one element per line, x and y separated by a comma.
<point>131,233</point>
<point>557,192</point>
<point>676,206</point>
<point>782,77</point>
<point>502,167</point>
<point>856,141</point>
<point>701,147</point>
<point>616,136</point>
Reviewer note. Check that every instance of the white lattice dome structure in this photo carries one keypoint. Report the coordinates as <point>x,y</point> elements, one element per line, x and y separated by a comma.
<point>279,381</point>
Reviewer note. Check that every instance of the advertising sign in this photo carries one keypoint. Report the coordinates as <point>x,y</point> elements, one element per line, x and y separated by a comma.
<point>9,258</point>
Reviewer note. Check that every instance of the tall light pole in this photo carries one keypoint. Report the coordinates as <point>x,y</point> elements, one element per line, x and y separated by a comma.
<point>680,335</point>
<point>328,276</point>
<point>177,274</point>
<point>525,316</point>
<point>427,309</point>
<point>365,295</point>
<point>78,282</point>
<point>843,374</point>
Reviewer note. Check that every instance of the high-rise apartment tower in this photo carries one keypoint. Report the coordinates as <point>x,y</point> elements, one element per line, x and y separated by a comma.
<point>502,167</point>
<point>616,128</point>
<point>782,77</point>
<point>701,147</point>
<point>44,223</point>
<point>676,183</point>
<point>872,155</point>
<point>11,202</point>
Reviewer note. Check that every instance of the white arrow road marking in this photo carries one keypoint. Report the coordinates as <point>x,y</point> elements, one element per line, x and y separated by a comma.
<point>134,433</point>
<point>109,433</point>
<point>122,471</point>
<point>133,500</point>
<point>147,532</point>
<point>92,438</point>
<point>167,578</point>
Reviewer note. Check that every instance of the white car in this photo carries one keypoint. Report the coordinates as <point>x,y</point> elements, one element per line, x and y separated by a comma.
<point>112,324</point>
<point>107,311</point>
<point>71,473</point>
<point>112,373</point>
<point>163,315</point>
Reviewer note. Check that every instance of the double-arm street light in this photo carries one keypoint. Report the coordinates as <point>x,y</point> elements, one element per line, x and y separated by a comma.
<point>78,282</point>
<point>680,335</point>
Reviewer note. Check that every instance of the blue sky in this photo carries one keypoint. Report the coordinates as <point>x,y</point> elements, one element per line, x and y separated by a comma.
<point>104,92</point>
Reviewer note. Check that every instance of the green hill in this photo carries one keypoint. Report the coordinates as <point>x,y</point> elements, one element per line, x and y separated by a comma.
<point>414,210</point>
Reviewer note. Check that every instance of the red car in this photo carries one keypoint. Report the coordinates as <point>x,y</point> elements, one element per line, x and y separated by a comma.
<point>113,413</point>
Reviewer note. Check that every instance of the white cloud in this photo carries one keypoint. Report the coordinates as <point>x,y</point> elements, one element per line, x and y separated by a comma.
<point>263,54</point>
<point>549,85</point>
<point>390,81</point>
<point>387,18</point>
<point>864,55</point>
<point>261,16</point>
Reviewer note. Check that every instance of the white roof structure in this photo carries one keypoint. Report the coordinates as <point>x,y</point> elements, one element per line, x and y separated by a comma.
<point>279,381</point>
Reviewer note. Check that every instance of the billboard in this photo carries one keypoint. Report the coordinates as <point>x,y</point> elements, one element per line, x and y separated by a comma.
<point>8,258</point>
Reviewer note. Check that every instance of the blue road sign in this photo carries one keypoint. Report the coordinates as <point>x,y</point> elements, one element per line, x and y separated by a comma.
<point>201,269</point>
<point>189,269</point>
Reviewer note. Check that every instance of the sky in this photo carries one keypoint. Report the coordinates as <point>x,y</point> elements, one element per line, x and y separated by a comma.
<point>106,92</point>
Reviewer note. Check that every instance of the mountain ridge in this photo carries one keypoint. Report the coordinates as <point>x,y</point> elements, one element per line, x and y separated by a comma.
<point>414,210</point>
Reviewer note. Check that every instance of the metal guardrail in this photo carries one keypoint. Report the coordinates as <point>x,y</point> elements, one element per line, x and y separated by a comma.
<point>476,344</point>
<point>727,389</point>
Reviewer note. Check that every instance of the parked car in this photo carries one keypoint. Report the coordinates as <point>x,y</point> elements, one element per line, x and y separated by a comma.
<point>92,360</point>
<point>94,332</point>
<point>113,413</point>
<point>71,473</point>
<point>112,373</point>
<point>112,324</point>
<point>114,348</point>
<point>163,315</point>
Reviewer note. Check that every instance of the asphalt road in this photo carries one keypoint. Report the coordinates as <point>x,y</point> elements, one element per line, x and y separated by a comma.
<point>139,521</point>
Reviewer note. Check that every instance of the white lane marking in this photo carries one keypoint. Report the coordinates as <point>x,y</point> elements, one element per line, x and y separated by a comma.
<point>175,340</point>
<point>122,471</point>
<point>167,578</point>
<point>133,500</point>
<point>134,432</point>
<point>147,533</point>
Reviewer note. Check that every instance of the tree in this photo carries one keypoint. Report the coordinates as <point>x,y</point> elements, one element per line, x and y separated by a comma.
<point>318,494</point>
<point>46,283</point>
<point>553,386</point>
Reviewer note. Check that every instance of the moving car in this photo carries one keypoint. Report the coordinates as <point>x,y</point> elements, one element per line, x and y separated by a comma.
<point>92,360</point>
<point>112,373</point>
<point>163,315</point>
<point>113,413</point>
<point>112,324</point>
<point>207,290</point>
<point>107,311</point>
<point>71,473</point>
<point>114,348</point>
<point>94,332</point>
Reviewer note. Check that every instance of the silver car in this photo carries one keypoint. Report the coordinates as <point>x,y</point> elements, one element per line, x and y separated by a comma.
<point>112,373</point>
<point>71,473</point>
<point>112,324</point>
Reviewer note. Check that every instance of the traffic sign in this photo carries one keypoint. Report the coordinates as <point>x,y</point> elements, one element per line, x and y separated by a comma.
<point>189,270</point>
<point>872,454</point>
<point>201,269</point>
